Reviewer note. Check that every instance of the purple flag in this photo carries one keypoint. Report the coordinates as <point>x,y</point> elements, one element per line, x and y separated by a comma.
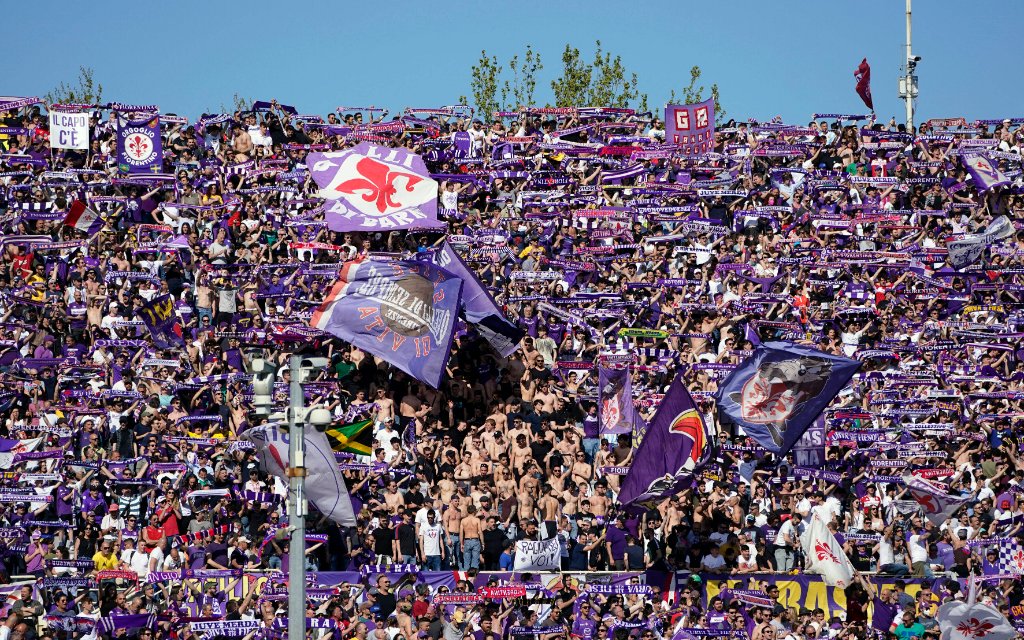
<point>369,188</point>
<point>159,316</point>
<point>692,126</point>
<point>986,175</point>
<point>966,250</point>
<point>938,505</point>
<point>403,312</point>
<point>615,410</point>
<point>139,149</point>
<point>809,450</point>
<point>777,393</point>
<point>677,444</point>
<point>480,308</point>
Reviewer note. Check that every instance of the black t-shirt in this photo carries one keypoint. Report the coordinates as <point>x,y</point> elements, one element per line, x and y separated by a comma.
<point>540,449</point>
<point>387,603</point>
<point>406,535</point>
<point>382,538</point>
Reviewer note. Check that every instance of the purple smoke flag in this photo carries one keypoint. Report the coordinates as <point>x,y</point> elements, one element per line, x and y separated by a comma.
<point>778,392</point>
<point>615,409</point>
<point>325,485</point>
<point>692,126</point>
<point>985,173</point>
<point>403,312</point>
<point>863,75</point>
<point>139,149</point>
<point>371,188</point>
<point>677,444</point>
<point>159,316</point>
<point>938,505</point>
<point>478,305</point>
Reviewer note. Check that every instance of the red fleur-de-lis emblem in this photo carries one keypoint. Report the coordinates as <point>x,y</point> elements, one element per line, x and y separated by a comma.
<point>1018,560</point>
<point>824,552</point>
<point>974,628</point>
<point>379,182</point>
<point>138,145</point>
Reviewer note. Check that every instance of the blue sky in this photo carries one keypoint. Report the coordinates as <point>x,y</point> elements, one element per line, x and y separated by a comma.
<point>786,57</point>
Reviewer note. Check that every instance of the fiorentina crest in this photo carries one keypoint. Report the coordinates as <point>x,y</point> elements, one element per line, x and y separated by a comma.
<point>780,390</point>
<point>773,395</point>
<point>371,188</point>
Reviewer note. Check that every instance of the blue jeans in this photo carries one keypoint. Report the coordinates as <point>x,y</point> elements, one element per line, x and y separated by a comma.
<point>408,559</point>
<point>454,557</point>
<point>433,563</point>
<point>470,554</point>
<point>896,568</point>
<point>591,447</point>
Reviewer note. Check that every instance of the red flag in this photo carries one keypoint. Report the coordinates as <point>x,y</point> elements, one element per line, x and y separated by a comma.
<point>863,74</point>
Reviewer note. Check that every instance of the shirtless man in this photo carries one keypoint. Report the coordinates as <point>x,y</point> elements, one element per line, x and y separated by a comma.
<point>581,471</point>
<point>451,520</point>
<point>241,143</point>
<point>526,506</point>
<point>496,445</point>
<point>599,502</point>
<point>498,416</point>
<point>521,454</point>
<point>470,543</point>
<point>546,396</point>
<point>447,486</point>
<point>393,498</point>
<point>549,511</point>
<point>385,407</point>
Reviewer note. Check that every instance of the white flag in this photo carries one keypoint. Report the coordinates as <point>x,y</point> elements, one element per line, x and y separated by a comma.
<point>937,504</point>
<point>325,486</point>
<point>973,621</point>
<point>824,556</point>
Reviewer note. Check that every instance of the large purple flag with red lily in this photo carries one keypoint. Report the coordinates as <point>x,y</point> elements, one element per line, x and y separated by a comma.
<point>677,444</point>
<point>371,188</point>
<point>139,149</point>
<point>403,312</point>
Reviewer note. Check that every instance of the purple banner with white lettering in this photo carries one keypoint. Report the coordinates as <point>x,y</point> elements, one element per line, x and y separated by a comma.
<point>371,188</point>
<point>139,149</point>
<point>403,312</point>
<point>809,450</point>
<point>692,126</point>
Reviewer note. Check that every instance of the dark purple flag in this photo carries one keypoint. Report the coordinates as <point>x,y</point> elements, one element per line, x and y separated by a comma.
<point>692,126</point>
<point>778,392</point>
<point>139,149</point>
<point>480,308</point>
<point>403,312</point>
<point>371,188</point>
<point>159,316</point>
<point>677,444</point>
<point>863,74</point>
<point>809,450</point>
<point>615,409</point>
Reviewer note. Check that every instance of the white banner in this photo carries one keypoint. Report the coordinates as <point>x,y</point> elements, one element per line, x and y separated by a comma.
<point>69,130</point>
<point>537,556</point>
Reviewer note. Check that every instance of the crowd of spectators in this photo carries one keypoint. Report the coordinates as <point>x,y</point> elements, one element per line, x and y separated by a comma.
<point>830,233</point>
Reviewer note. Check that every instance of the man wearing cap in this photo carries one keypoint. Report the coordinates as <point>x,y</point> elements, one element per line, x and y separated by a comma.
<point>112,522</point>
<point>241,557</point>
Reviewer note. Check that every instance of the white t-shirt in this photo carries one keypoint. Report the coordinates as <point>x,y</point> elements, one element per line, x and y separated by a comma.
<point>431,537</point>
<point>712,562</point>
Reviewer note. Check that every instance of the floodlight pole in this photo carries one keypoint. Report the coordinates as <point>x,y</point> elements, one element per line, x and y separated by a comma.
<point>296,504</point>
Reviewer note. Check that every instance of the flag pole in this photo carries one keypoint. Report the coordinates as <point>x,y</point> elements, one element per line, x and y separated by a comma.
<point>908,82</point>
<point>296,504</point>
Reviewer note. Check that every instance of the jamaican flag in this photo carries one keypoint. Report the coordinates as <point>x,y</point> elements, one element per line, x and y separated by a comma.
<point>354,438</point>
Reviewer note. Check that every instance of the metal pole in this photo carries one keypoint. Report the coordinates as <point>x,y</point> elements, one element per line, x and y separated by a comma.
<point>909,97</point>
<point>296,506</point>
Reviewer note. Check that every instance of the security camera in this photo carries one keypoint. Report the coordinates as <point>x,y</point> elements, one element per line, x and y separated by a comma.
<point>915,59</point>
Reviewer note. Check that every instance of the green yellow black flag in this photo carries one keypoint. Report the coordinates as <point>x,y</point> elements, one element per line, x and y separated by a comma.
<point>354,438</point>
